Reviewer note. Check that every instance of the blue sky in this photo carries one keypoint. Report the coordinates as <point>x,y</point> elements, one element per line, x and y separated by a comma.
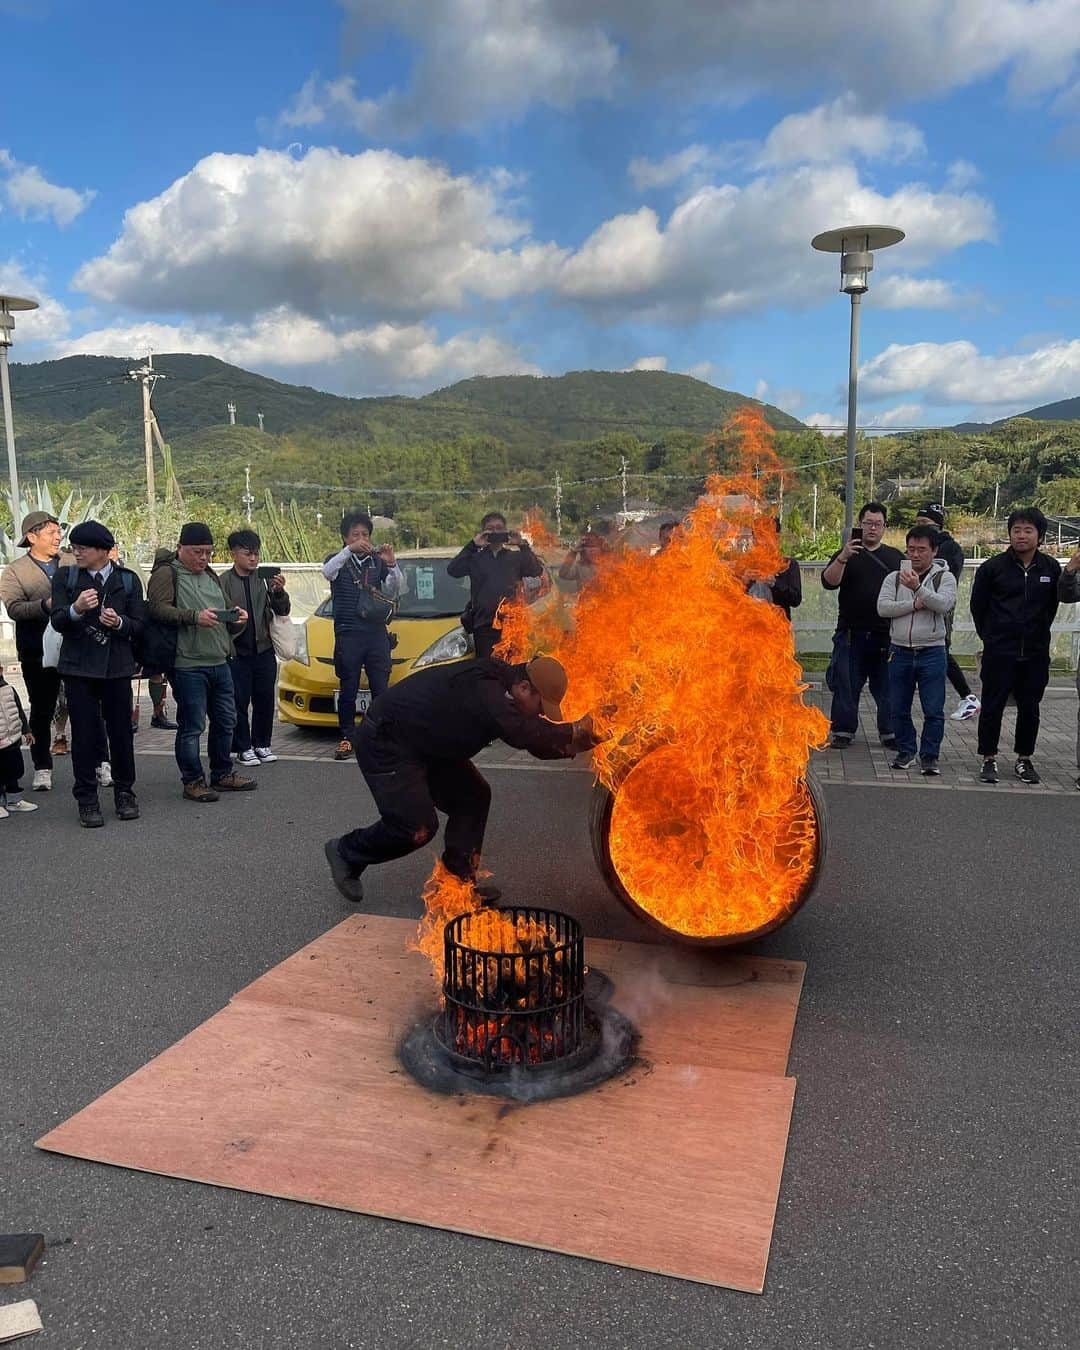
<point>373,197</point>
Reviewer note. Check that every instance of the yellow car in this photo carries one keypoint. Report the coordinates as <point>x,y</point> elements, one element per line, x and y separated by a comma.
<point>427,627</point>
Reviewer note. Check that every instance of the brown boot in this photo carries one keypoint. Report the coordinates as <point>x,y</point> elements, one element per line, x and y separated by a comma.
<point>234,782</point>
<point>197,791</point>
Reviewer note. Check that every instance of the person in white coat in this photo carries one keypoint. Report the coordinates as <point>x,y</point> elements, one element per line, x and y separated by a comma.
<point>915,599</point>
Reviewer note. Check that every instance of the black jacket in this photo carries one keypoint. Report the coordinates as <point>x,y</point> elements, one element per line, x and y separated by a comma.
<point>112,658</point>
<point>493,577</point>
<point>950,553</point>
<point>859,587</point>
<point>1013,606</point>
<point>787,587</point>
<point>452,712</point>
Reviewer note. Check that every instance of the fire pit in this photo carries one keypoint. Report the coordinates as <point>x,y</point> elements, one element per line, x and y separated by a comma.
<point>522,1016</point>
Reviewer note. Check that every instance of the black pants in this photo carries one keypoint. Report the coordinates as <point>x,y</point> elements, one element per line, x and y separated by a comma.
<point>485,636</point>
<point>11,771</point>
<point>955,675</point>
<point>254,680</point>
<point>42,688</point>
<point>367,650</point>
<point>408,791</point>
<point>90,702</point>
<point>1026,681</point>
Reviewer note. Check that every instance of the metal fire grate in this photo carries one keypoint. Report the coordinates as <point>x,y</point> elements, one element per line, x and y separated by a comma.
<point>523,1008</point>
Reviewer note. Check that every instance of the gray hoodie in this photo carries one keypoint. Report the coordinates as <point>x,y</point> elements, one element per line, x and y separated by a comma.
<point>911,627</point>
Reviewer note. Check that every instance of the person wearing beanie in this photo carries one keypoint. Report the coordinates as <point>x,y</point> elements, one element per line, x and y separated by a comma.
<point>26,593</point>
<point>1013,601</point>
<point>952,555</point>
<point>98,607</point>
<point>191,640</point>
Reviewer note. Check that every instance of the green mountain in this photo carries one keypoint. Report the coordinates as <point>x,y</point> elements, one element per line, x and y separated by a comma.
<point>1067,410</point>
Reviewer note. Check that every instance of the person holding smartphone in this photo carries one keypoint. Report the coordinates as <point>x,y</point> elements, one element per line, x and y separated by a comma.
<point>261,592</point>
<point>860,653</point>
<point>496,561</point>
<point>917,600</point>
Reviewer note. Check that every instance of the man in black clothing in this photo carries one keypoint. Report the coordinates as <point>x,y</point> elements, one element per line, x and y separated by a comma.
<point>860,652</point>
<point>494,573</point>
<point>952,555</point>
<point>98,606</point>
<point>1013,602</point>
<point>254,663</point>
<point>415,750</point>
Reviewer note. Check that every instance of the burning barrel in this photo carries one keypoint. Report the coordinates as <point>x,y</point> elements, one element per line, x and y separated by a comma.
<point>727,878</point>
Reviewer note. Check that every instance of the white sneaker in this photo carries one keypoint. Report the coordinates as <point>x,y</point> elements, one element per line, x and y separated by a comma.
<point>42,780</point>
<point>20,805</point>
<point>3,813</point>
<point>247,757</point>
<point>265,754</point>
<point>104,775</point>
<point>966,709</point>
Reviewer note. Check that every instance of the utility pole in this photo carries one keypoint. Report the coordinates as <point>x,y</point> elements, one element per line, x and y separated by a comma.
<point>9,306</point>
<point>944,471</point>
<point>318,520</point>
<point>780,509</point>
<point>871,494</point>
<point>248,499</point>
<point>814,524</point>
<point>558,503</point>
<point>260,417</point>
<point>147,376</point>
<point>997,489</point>
<point>622,474</point>
<point>232,413</point>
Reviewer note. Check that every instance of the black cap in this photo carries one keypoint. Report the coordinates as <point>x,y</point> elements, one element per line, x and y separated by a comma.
<point>195,532</point>
<point>92,534</point>
<point>933,511</point>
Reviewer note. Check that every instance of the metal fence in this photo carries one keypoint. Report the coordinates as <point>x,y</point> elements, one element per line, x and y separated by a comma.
<point>814,620</point>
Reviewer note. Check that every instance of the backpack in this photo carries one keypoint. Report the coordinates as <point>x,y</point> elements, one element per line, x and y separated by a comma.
<point>158,646</point>
<point>935,581</point>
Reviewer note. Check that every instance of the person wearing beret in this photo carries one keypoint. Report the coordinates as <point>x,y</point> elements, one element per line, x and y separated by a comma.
<point>98,607</point>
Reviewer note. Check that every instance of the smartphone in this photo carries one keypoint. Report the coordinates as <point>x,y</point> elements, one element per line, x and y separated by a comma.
<point>907,566</point>
<point>227,615</point>
<point>498,537</point>
<point>856,533</point>
<point>268,571</point>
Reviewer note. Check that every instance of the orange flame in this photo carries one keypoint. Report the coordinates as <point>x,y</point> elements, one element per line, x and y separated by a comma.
<point>536,530</point>
<point>697,683</point>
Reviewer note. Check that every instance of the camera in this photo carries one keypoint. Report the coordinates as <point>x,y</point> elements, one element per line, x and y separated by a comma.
<point>498,536</point>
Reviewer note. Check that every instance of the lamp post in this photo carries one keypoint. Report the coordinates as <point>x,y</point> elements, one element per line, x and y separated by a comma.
<point>855,244</point>
<point>10,305</point>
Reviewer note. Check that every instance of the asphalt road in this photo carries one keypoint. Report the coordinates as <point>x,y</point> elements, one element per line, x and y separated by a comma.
<point>929,1197</point>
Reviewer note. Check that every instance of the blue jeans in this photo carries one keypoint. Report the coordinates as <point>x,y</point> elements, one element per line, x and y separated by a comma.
<point>921,668</point>
<point>859,657</point>
<point>199,691</point>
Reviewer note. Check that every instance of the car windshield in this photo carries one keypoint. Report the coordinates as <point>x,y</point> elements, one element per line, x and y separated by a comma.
<point>429,591</point>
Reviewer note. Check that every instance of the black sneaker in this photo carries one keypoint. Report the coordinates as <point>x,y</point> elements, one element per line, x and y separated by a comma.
<point>929,767</point>
<point>162,723</point>
<point>90,817</point>
<point>988,773</point>
<point>346,877</point>
<point>902,761</point>
<point>1025,771</point>
<point>840,741</point>
<point>889,742</point>
<point>127,808</point>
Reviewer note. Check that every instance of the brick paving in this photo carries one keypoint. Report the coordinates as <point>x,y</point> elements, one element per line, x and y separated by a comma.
<point>865,762</point>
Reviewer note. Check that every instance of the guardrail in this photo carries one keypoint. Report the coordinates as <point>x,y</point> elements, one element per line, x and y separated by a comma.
<point>813,622</point>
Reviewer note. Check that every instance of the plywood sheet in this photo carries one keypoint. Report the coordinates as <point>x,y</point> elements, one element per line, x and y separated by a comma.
<point>294,1090</point>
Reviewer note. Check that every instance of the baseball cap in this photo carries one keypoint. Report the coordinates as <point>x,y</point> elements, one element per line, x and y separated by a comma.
<point>34,521</point>
<point>548,676</point>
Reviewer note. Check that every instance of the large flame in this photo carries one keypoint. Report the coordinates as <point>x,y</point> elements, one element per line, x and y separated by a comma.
<point>697,684</point>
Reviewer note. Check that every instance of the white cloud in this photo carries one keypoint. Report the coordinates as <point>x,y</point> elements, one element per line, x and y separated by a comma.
<point>374,233</point>
<point>761,390</point>
<point>650,363</point>
<point>837,131</point>
<point>902,415</point>
<point>649,174</point>
<point>728,249</point>
<point>476,59</point>
<point>899,291</point>
<point>51,320</point>
<point>958,373</point>
<point>383,358</point>
<point>960,175</point>
<point>703,370</point>
<point>829,424</point>
<point>32,197</point>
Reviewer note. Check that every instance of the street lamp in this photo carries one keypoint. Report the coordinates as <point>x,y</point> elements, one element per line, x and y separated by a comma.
<point>9,306</point>
<point>855,244</point>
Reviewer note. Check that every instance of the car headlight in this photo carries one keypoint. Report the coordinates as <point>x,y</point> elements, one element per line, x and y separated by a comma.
<point>301,644</point>
<point>451,646</point>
